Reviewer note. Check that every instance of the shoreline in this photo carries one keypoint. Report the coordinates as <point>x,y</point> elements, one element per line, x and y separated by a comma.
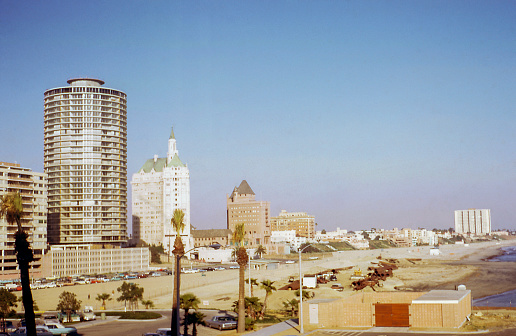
<point>488,277</point>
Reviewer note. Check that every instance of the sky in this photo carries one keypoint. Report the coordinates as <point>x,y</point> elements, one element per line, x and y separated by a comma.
<point>361,113</point>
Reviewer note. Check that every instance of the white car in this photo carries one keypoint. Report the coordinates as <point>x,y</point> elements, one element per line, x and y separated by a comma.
<point>190,270</point>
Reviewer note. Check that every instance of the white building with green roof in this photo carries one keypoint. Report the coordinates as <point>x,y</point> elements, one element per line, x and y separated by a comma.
<point>158,188</point>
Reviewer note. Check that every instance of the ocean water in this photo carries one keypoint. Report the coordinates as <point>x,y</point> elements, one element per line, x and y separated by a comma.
<point>509,254</point>
<point>507,299</point>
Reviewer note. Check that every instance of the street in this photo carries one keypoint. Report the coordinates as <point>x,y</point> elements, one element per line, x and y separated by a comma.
<point>132,327</point>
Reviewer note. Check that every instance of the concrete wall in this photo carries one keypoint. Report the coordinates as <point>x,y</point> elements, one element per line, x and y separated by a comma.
<point>358,311</point>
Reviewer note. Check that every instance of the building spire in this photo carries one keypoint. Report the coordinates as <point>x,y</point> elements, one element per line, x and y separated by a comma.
<point>172,150</point>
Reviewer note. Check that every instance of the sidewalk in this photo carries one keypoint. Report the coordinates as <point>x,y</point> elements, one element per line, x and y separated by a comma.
<point>277,328</point>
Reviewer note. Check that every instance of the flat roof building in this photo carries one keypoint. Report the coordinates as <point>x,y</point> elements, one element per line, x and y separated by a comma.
<point>32,187</point>
<point>85,149</point>
<point>301,222</point>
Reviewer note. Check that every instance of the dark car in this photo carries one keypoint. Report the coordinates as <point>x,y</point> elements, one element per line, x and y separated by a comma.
<point>222,322</point>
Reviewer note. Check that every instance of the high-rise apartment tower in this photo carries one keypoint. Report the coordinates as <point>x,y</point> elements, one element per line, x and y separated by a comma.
<point>32,187</point>
<point>473,221</point>
<point>86,162</point>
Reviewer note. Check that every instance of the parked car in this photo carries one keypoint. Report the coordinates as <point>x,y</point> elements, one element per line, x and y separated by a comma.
<point>40,331</point>
<point>50,317</point>
<point>8,326</point>
<point>57,328</point>
<point>222,322</point>
<point>164,331</point>
<point>74,317</point>
<point>87,314</point>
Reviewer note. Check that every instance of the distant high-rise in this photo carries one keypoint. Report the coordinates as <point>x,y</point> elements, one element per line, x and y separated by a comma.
<point>301,222</point>
<point>85,136</point>
<point>158,188</point>
<point>32,187</point>
<point>243,208</point>
<point>473,221</point>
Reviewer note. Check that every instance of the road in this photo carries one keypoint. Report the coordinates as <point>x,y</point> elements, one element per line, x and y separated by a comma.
<point>136,328</point>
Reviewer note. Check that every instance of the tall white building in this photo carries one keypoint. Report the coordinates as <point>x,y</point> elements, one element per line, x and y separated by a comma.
<point>473,221</point>
<point>158,188</point>
<point>85,133</point>
<point>32,187</point>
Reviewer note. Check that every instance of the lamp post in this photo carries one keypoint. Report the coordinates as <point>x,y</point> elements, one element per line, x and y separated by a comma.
<point>175,305</point>
<point>249,270</point>
<point>301,330</point>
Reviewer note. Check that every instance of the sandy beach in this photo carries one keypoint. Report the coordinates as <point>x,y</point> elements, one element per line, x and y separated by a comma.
<point>418,270</point>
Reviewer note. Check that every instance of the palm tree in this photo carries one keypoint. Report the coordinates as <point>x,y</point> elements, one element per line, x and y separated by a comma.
<point>103,297</point>
<point>197,318</point>
<point>148,304</point>
<point>12,209</point>
<point>306,294</point>
<point>178,224</point>
<point>266,285</point>
<point>291,306</point>
<point>253,306</point>
<point>254,282</point>
<point>189,301</point>
<point>238,239</point>
<point>260,250</point>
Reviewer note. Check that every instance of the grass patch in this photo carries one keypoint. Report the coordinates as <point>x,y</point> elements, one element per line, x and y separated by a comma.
<point>492,320</point>
<point>273,317</point>
<point>136,315</point>
<point>380,244</point>
<point>342,246</point>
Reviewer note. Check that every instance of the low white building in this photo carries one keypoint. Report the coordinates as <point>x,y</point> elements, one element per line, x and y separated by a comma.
<point>67,260</point>
<point>283,236</point>
<point>212,255</point>
<point>331,235</point>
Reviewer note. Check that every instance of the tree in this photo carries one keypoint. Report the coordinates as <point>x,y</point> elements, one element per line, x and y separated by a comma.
<point>195,319</point>
<point>306,294</point>
<point>291,306</point>
<point>254,282</point>
<point>148,304</point>
<point>260,251</point>
<point>234,253</point>
<point>130,292</point>
<point>155,254</point>
<point>104,297</point>
<point>68,303</point>
<point>189,301</point>
<point>7,302</point>
<point>178,224</point>
<point>11,208</point>
<point>268,287</point>
<point>323,231</point>
<point>252,306</point>
<point>238,239</point>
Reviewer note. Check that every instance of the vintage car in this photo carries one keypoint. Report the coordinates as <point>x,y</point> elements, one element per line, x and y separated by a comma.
<point>87,314</point>
<point>57,328</point>
<point>222,322</point>
<point>40,331</point>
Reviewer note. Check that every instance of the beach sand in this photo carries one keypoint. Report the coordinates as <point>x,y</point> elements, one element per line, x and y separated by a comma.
<point>418,270</point>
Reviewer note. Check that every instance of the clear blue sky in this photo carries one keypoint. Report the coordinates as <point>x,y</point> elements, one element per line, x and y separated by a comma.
<point>362,113</point>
